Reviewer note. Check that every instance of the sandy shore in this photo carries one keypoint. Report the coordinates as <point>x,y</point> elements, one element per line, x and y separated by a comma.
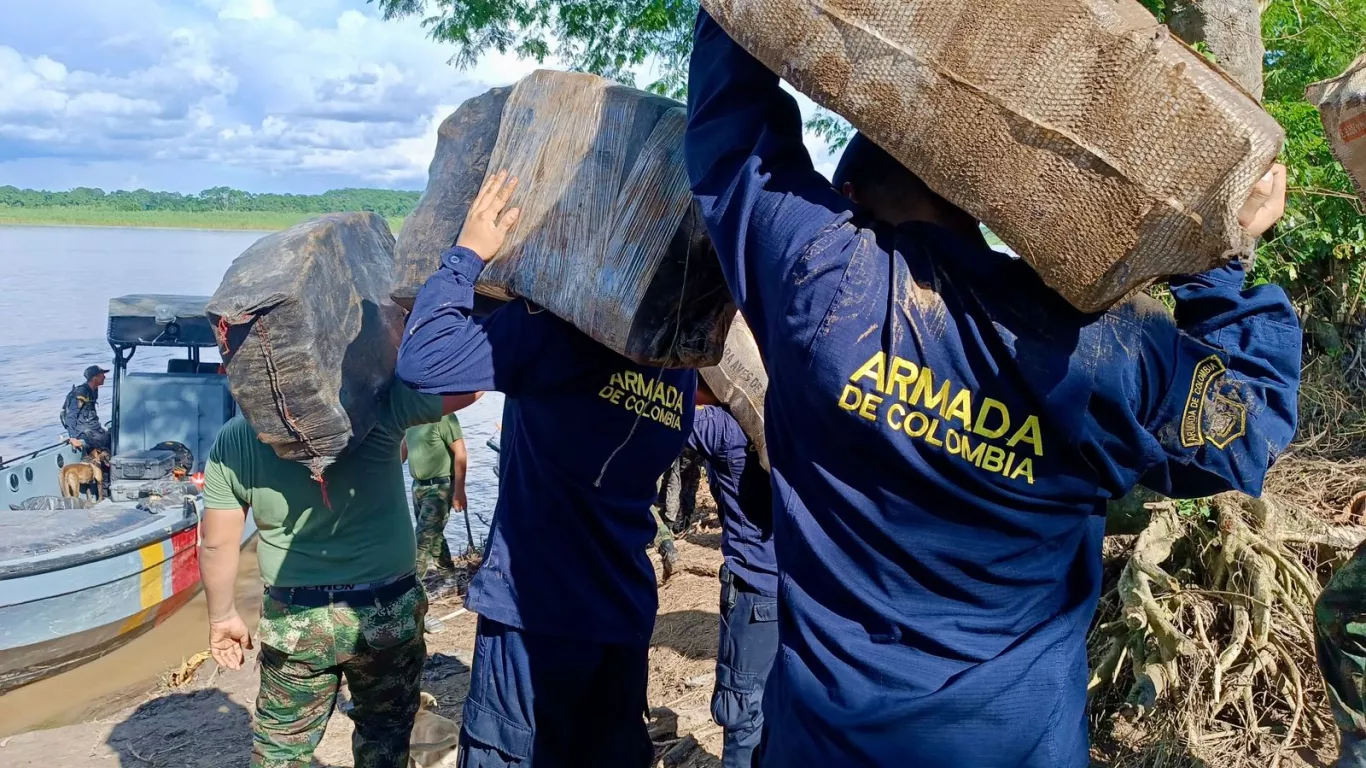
<point>205,722</point>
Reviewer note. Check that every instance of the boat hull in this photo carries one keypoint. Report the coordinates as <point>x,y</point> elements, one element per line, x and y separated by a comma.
<point>54,620</point>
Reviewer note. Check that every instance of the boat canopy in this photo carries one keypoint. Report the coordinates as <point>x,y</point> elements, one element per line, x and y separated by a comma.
<point>159,320</point>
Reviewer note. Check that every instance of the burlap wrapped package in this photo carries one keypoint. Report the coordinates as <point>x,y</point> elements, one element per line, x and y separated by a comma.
<point>1099,147</point>
<point>609,237</point>
<point>1342,106</point>
<point>309,334</point>
<point>740,382</point>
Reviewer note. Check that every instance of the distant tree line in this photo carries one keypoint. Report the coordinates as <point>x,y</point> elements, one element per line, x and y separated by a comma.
<point>386,202</point>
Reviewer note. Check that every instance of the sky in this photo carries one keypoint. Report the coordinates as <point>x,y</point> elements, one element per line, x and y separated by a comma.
<point>264,95</point>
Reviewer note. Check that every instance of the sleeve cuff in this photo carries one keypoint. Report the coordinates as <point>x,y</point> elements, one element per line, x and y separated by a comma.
<point>1230,275</point>
<point>463,262</point>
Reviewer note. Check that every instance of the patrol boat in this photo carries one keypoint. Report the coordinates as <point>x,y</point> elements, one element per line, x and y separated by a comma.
<point>76,583</point>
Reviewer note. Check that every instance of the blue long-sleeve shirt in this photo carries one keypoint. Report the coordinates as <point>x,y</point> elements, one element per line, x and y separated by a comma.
<point>80,414</point>
<point>585,433</point>
<point>944,431</point>
<point>744,497</point>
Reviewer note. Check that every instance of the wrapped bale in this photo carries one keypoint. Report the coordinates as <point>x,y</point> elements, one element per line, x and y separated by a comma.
<point>463,145</point>
<point>309,334</point>
<point>1342,106</point>
<point>1099,147</point>
<point>740,382</point>
<point>609,237</point>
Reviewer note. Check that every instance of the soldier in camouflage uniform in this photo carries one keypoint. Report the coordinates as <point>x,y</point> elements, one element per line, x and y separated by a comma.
<point>437,460</point>
<point>1340,637</point>
<point>341,599</point>
<point>675,506</point>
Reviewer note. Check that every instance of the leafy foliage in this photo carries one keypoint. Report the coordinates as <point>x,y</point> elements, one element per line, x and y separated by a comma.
<point>605,37</point>
<point>611,38</point>
<point>385,202</point>
<point>1319,249</point>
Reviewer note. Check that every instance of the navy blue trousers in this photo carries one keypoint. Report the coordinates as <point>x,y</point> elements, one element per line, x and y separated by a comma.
<point>548,701</point>
<point>744,657</point>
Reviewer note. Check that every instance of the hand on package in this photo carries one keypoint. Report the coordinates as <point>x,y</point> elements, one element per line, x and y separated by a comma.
<point>1265,204</point>
<point>229,640</point>
<point>486,225</point>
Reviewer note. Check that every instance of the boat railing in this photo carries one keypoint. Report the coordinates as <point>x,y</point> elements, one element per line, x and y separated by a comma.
<point>21,459</point>
<point>33,454</point>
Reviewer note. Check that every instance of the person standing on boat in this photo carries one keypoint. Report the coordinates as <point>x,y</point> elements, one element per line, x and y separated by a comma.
<point>566,594</point>
<point>749,576</point>
<point>341,598</point>
<point>80,413</point>
<point>437,461</point>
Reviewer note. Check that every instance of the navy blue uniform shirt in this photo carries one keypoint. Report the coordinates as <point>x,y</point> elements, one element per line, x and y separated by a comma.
<point>743,497</point>
<point>80,414</point>
<point>585,434</point>
<point>944,432</point>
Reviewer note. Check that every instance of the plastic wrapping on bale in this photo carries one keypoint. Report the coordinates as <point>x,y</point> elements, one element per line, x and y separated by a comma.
<point>740,382</point>
<point>309,334</point>
<point>1097,146</point>
<point>1342,106</point>
<point>609,237</point>
<point>463,145</point>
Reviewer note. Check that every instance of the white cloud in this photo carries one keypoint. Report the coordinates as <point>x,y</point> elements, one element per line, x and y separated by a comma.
<point>217,91</point>
<point>248,10</point>
<point>243,84</point>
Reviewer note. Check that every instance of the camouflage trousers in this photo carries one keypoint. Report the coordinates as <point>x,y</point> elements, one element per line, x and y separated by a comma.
<point>1340,640</point>
<point>677,498</point>
<point>305,652</point>
<point>432,507</point>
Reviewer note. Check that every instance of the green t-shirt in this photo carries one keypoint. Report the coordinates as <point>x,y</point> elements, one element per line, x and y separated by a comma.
<point>429,452</point>
<point>367,533</point>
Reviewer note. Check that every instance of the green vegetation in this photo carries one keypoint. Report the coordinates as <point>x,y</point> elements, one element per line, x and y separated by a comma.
<point>216,208</point>
<point>1318,251</point>
<point>100,217</point>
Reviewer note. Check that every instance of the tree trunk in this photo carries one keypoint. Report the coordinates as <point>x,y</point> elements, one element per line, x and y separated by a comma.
<point>1233,31</point>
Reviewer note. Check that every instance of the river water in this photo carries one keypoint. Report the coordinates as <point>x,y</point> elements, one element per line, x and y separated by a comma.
<point>54,310</point>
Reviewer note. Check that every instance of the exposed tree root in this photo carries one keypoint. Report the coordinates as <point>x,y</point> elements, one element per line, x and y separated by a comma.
<point>1204,638</point>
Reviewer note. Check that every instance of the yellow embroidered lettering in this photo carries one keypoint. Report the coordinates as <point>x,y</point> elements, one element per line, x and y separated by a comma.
<point>960,409</point>
<point>952,441</point>
<point>902,374</point>
<point>916,424</point>
<point>994,459</point>
<point>930,438</point>
<point>988,406</point>
<point>869,408</point>
<point>850,397</point>
<point>970,453</point>
<point>874,369</point>
<point>1029,433</point>
<point>896,416</point>
<point>924,390</point>
<point>1024,469</point>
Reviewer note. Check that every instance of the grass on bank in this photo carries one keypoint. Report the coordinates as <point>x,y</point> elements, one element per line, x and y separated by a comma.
<point>268,221</point>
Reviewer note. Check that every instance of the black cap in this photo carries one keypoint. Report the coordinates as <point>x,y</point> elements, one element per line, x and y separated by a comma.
<point>94,371</point>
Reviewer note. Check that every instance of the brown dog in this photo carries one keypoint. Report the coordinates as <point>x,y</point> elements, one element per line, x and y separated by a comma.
<point>434,738</point>
<point>75,477</point>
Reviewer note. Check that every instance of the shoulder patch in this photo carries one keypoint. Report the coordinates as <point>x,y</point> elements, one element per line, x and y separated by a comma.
<point>1209,416</point>
<point>1227,421</point>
